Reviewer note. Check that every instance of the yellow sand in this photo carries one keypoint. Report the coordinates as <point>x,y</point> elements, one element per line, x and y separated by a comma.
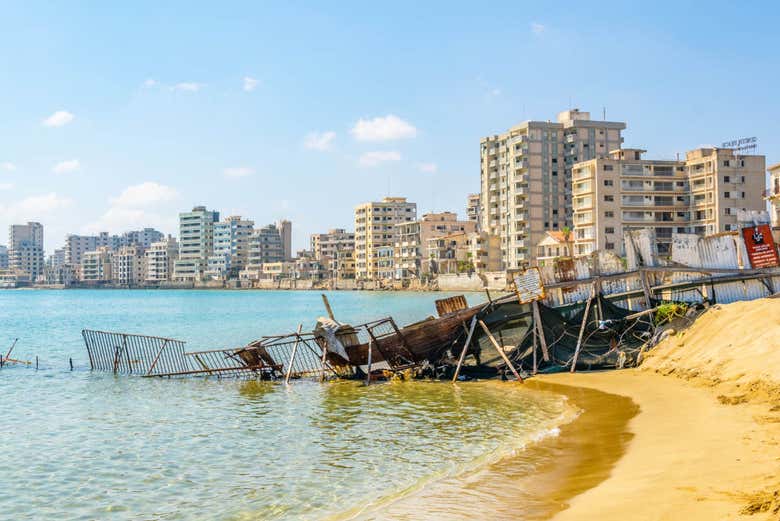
<point>706,445</point>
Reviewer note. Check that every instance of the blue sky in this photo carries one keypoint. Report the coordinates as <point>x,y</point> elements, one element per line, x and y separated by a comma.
<point>119,116</point>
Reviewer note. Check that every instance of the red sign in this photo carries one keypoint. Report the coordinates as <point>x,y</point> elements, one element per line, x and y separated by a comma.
<point>760,246</point>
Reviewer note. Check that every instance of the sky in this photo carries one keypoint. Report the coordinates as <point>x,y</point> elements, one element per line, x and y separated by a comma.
<point>116,116</point>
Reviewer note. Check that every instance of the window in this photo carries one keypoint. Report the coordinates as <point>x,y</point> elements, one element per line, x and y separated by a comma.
<point>608,182</point>
<point>609,245</point>
<point>742,180</point>
<point>555,212</point>
<point>743,195</point>
<point>609,214</point>
<point>546,224</point>
<point>555,160</point>
<point>726,163</point>
<point>726,179</point>
<point>609,229</point>
<point>609,198</point>
<point>727,211</point>
<point>608,168</point>
<point>726,194</point>
<point>554,173</point>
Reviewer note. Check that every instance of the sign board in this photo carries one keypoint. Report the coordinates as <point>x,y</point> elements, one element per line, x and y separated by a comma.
<point>745,144</point>
<point>761,248</point>
<point>528,286</point>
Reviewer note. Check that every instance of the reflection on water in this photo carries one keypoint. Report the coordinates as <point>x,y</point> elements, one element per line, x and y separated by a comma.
<point>78,445</point>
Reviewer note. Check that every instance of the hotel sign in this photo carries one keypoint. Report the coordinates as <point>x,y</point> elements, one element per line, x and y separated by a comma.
<point>761,249</point>
<point>745,144</point>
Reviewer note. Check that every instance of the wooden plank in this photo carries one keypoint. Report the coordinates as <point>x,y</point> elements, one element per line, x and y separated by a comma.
<point>465,348</point>
<point>540,330</point>
<point>582,331</point>
<point>500,350</point>
<point>327,306</point>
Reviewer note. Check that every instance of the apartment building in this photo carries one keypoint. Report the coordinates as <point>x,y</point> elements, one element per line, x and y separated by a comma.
<point>128,266</point>
<point>473,212</point>
<point>3,257</point>
<point>160,258</point>
<point>385,263</point>
<point>326,245</point>
<point>375,228</point>
<point>700,194</point>
<point>231,247</point>
<point>773,194</point>
<point>465,252</point>
<point>554,245</point>
<point>96,266</point>
<point>25,249</point>
<point>411,245</point>
<point>342,267</point>
<point>526,178</point>
<point>285,232</point>
<point>196,243</point>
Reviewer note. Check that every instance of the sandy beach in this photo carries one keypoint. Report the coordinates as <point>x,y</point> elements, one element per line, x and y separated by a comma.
<point>705,444</point>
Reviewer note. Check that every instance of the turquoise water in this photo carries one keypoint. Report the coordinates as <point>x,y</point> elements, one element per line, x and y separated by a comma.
<point>82,445</point>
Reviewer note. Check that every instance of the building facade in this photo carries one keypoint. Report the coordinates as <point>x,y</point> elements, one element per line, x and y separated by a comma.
<point>160,258</point>
<point>3,257</point>
<point>196,243</point>
<point>526,178</point>
<point>473,210</point>
<point>375,228</point>
<point>96,266</point>
<point>231,247</point>
<point>326,245</point>
<point>700,194</point>
<point>411,245</point>
<point>773,195</point>
<point>128,266</point>
<point>25,249</point>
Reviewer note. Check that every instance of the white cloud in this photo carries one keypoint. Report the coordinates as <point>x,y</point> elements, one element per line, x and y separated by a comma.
<point>386,128</point>
<point>187,87</point>
<point>250,84</point>
<point>319,140</point>
<point>7,166</point>
<point>150,83</point>
<point>6,186</point>
<point>63,167</point>
<point>238,171</point>
<point>145,194</point>
<point>538,28</point>
<point>34,207</point>
<point>375,158</point>
<point>137,206</point>
<point>428,168</point>
<point>58,119</point>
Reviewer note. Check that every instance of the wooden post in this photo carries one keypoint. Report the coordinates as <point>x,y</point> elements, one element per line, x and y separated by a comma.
<point>10,350</point>
<point>582,331</point>
<point>292,355</point>
<point>645,288</point>
<point>368,369</point>
<point>500,350</point>
<point>540,329</point>
<point>535,363</point>
<point>465,348</point>
<point>327,307</point>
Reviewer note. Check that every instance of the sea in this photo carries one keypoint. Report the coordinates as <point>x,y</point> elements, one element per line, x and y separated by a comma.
<point>83,445</point>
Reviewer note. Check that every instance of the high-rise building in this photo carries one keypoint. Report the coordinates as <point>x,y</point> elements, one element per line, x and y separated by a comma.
<point>411,243</point>
<point>96,265</point>
<point>700,194</point>
<point>160,257</point>
<point>25,249</point>
<point>326,245</point>
<point>375,228</point>
<point>128,267</point>
<point>526,178</point>
<point>285,231</point>
<point>77,245</point>
<point>265,245</point>
<point>473,211</point>
<point>3,257</point>
<point>196,243</point>
<point>231,247</point>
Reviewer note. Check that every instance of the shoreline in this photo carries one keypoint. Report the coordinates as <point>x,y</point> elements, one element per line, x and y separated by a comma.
<point>690,456</point>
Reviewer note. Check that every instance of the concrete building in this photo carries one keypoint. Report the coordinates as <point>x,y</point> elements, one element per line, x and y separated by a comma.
<point>700,194</point>
<point>326,245</point>
<point>343,266</point>
<point>231,247</point>
<point>160,258</point>
<point>266,245</point>
<point>375,228</point>
<point>25,249</point>
<point>285,231</point>
<point>76,245</point>
<point>773,194</point>
<point>142,238</point>
<point>3,257</point>
<point>411,245</point>
<point>473,210</point>
<point>196,243</point>
<point>96,266</point>
<point>128,266</point>
<point>385,263</point>
<point>526,178</point>
<point>465,252</point>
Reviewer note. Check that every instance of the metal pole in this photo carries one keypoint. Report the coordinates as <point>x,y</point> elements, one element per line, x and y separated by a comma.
<point>582,331</point>
<point>500,350</point>
<point>368,369</point>
<point>465,348</point>
<point>292,355</point>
